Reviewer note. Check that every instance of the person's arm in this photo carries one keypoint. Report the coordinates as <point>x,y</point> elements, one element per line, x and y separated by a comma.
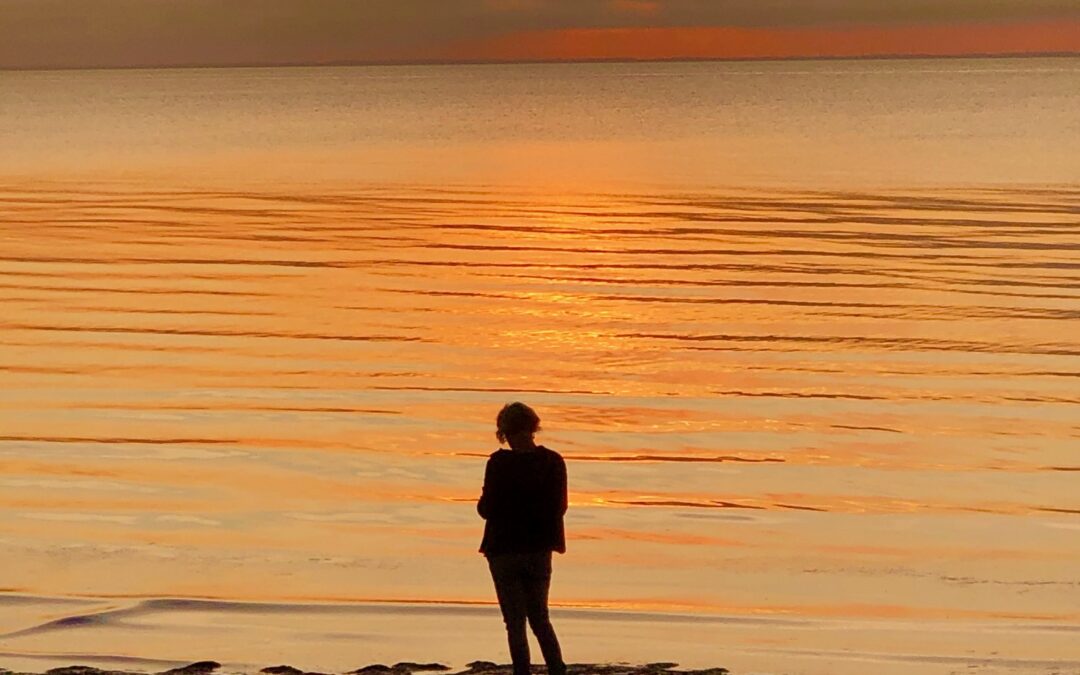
<point>483,505</point>
<point>564,500</point>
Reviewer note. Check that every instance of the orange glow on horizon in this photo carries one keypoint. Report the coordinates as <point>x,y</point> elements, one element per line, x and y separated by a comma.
<point>647,43</point>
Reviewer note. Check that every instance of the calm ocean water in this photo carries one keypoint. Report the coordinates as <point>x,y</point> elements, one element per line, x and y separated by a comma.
<point>806,334</point>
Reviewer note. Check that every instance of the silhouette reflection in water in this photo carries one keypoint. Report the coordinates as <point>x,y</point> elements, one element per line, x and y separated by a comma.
<point>523,503</point>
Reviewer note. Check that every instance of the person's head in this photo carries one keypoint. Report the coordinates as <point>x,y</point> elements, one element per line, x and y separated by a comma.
<point>516,420</point>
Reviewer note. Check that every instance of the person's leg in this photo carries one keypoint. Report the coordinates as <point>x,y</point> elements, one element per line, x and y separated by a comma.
<point>507,573</point>
<point>537,584</point>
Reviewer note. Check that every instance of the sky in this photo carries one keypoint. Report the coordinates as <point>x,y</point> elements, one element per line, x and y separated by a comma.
<point>133,33</point>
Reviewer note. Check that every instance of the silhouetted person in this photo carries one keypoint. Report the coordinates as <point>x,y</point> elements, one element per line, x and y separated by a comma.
<point>523,502</point>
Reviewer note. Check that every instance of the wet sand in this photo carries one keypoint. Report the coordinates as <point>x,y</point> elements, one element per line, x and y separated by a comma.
<point>153,635</point>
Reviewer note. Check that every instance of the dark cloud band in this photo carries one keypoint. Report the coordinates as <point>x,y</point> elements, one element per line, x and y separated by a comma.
<point>97,33</point>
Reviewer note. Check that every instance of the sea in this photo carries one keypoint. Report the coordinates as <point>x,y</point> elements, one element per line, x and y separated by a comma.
<point>806,333</point>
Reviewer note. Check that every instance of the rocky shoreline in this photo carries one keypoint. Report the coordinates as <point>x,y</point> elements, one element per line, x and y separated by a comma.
<point>405,668</point>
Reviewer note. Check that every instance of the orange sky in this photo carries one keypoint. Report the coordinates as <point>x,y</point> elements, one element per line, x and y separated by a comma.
<point>730,42</point>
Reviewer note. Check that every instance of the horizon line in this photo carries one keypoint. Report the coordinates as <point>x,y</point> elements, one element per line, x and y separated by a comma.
<point>504,62</point>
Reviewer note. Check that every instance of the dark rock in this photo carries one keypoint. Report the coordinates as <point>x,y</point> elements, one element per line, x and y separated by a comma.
<point>373,669</point>
<point>662,665</point>
<point>410,667</point>
<point>287,670</point>
<point>77,670</point>
<point>197,668</point>
<point>483,667</point>
<point>601,669</point>
<point>73,670</point>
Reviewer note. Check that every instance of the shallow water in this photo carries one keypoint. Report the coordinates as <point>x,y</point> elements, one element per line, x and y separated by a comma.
<point>843,402</point>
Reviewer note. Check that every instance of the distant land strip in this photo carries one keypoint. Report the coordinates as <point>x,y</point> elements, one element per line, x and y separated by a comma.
<point>506,62</point>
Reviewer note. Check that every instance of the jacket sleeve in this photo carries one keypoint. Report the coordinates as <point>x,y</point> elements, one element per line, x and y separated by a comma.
<point>562,500</point>
<point>483,505</point>
<point>564,497</point>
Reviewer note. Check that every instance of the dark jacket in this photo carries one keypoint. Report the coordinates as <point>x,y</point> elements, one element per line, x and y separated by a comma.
<point>523,502</point>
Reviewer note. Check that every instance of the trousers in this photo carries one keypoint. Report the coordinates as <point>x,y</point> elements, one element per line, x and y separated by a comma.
<point>522,581</point>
